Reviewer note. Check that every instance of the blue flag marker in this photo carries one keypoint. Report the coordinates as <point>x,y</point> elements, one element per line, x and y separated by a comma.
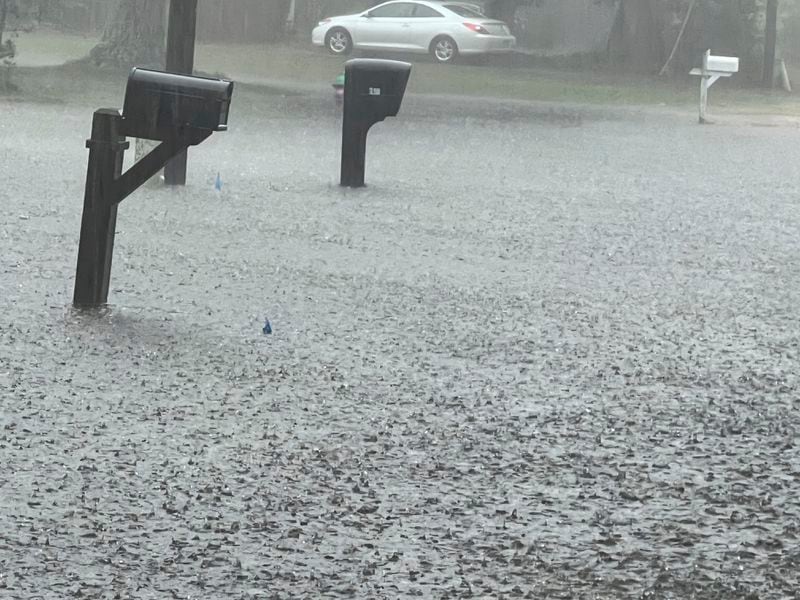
<point>267,328</point>
<point>218,183</point>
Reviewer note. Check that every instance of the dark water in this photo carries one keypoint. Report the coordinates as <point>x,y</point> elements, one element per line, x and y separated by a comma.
<point>546,354</point>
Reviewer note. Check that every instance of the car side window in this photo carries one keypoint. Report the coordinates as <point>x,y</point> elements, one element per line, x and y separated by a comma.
<point>420,10</point>
<point>465,11</point>
<point>397,10</point>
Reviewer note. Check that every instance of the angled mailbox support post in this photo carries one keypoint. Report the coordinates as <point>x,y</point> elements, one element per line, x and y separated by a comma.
<point>177,110</point>
<point>713,68</point>
<point>373,90</point>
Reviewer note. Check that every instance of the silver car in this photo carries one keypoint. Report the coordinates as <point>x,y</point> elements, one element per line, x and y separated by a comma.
<point>443,29</point>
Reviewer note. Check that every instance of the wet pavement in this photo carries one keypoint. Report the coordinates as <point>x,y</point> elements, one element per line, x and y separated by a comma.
<point>547,353</point>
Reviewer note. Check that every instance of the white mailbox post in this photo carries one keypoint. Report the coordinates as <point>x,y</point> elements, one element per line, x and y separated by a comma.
<point>713,68</point>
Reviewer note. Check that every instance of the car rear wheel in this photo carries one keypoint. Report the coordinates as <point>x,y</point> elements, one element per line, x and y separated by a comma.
<point>338,41</point>
<point>444,50</point>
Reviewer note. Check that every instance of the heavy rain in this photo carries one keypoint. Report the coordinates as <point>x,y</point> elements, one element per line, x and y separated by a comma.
<point>550,350</point>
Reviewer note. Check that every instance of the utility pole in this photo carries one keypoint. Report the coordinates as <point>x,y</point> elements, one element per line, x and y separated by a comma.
<point>181,35</point>
<point>770,41</point>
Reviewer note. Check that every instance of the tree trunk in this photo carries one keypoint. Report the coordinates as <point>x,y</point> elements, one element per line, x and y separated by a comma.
<point>134,35</point>
<point>4,6</point>
<point>635,41</point>
<point>770,41</point>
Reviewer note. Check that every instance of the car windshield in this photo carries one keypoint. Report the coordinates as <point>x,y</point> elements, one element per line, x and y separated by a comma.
<point>465,11</point>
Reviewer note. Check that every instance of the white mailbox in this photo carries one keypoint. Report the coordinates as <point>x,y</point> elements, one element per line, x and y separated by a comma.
<point>721,64</point>
<point>713,68</point>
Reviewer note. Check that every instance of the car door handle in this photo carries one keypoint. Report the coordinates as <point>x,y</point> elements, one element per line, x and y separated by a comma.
<point>406,24</point>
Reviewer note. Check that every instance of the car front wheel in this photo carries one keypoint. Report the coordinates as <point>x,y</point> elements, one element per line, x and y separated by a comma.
<point>444,50</point>
<point>338,41</point>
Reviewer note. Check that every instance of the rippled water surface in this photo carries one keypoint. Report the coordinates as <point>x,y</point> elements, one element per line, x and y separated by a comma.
<point>545,354</point>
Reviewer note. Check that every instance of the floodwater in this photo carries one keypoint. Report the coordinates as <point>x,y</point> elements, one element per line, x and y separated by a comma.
<point>547,353</point>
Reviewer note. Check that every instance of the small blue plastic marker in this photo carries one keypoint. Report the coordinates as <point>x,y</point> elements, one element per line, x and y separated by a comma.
<point>267,328</point>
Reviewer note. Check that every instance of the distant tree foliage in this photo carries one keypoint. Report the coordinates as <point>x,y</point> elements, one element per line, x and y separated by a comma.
<point>242,20</point>
<point>8,9</point>
<point>309,12</point>
<point>135,35</point>
<point>79,15</point>
<point>790,33</point>
<point>7,49</point>
<point>14,16</point>
<point>506,10</point>
<point>643,35</point>
<point>646,30</point>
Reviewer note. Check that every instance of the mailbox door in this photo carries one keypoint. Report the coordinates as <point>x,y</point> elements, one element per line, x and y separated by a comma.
<point>375,88</point>
<point>723,64</point>
<point>158,104</point>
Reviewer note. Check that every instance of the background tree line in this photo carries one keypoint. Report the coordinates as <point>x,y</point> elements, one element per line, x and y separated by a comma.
<point>641,35</point>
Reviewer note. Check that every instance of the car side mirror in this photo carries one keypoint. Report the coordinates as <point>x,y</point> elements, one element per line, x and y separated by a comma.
<point>367,15</point>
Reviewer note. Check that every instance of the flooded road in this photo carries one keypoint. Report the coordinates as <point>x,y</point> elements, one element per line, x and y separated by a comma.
<point>545,354</point>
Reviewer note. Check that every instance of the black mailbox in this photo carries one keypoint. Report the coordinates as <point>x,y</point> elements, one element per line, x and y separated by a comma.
<point>373,90</point>
<point>178,111</point>
<point>159,105</point>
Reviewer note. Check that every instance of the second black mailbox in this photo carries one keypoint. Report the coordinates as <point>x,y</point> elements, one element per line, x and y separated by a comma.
<point>159,105</point>
<point>373,90</point>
